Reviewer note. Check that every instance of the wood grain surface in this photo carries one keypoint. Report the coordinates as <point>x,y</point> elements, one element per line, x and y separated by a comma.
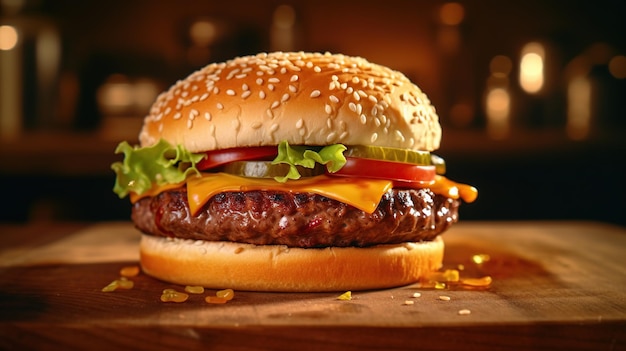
<point>556,285</point>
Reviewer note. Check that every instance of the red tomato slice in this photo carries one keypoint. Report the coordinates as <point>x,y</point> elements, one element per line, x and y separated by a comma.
<point>396,171</point>
<point>220,157</point>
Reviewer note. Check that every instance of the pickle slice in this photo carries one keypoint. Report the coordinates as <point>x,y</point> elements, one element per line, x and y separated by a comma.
<point>389,154</point>
<point>265,169</point>
<point>397,155</point>
<point>439,163</point>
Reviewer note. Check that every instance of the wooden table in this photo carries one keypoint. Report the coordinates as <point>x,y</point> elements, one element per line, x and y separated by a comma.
<point>555,285</point>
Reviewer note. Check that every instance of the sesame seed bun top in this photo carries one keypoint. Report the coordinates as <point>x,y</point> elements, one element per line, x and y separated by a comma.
<point>303,98</point>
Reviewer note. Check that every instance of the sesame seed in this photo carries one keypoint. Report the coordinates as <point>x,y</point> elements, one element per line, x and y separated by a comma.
<point>343,135</point>
<point>256,125</point>
<point>373,99</point>
<point>232,73</point>
<point>241,76</point>
<point>333,98</point>
<point>317,69</point>
<point>245,94</point>
<point>244,87</point>
<point>334,78</point>
<point>261,94</point>
<point>300,123</point>
<point>189,123</point>
<point>349,90</point>
<point>292,88</point>
<point>193,113</point>
<point>230,92</point>
<point>269,113</point>
<point>167,111</point>
<point>285,97</point>
<point>274,127</point>
<point>216,90</point>
<point>464,312</point>
<point>294,78</point>
<point>328,109</point>
<point>204,96</point>
<point>363,119</point>
<point>185,94</point>
<point>352,106</point>
<point>315,93</point>
<point>356,96</point>
<point>207,116</point>
<point>275,104</point>
<point>409,302</point>
<point>274,80</point>
<point>259,81</point>
<point>374,137</point>
<point>331,137</point>
<point>399,136</point>
<point>344,86</point>
<point>177,115</point>
<point>417,294</point>
<point>270,87</point>
<point>283,70</point>
<point>444,298</point>
<point>220,106</point>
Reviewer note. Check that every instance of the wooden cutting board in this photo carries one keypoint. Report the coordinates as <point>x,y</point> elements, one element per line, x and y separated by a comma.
<point>554,285</point>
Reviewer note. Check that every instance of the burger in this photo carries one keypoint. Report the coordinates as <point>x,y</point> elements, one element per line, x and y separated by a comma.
<point>290,172</point>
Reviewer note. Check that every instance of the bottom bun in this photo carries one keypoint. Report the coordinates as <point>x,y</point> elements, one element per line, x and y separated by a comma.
<point>221,265</point>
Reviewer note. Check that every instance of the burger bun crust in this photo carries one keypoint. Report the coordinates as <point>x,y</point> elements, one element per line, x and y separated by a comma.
<point>301,98</point>
<point>221,265</point>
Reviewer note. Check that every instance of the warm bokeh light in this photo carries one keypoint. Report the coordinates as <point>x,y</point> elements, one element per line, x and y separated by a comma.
<point>203,32</point>
<point>531,73</point>
<point>282,36</point>
<point>498,104</point>
<point>500,65</point>
<point>284,16</point>
<point>617,67</point>
<point>451,13</point>
<point>578,107</point>
<point>115,96</point>
<point>121,95</point>
<point>8,37</point>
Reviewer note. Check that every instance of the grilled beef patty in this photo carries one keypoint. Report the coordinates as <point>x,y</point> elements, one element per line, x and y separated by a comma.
<point>297,219</point>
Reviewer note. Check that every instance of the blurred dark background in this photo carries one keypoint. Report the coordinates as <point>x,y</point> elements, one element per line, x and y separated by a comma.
<point>531,94</point>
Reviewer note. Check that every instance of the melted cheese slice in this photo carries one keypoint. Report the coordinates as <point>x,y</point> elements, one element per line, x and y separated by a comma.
<point>362,193</point>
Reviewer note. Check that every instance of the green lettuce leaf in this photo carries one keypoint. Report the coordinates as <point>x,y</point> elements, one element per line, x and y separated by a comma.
<point>305,156</point>
<point>161,163</point>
